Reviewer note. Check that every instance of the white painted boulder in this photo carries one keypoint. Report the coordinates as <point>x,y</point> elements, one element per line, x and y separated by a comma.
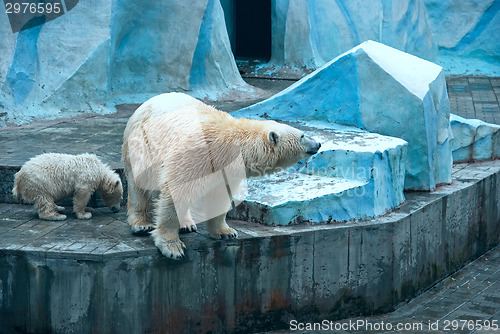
<point>474,140</point>
<point>382,90</point>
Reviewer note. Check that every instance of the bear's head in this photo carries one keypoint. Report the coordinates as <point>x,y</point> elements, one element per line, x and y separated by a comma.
<point>112,191</point>
<point>281,146</point>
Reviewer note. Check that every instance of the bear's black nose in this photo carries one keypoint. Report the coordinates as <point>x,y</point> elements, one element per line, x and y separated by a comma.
<point>314,149</point>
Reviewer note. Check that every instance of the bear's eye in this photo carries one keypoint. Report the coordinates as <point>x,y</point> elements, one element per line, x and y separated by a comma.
<point>302,137</point>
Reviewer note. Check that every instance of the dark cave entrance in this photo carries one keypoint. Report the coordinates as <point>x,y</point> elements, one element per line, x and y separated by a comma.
<point>249,28</point>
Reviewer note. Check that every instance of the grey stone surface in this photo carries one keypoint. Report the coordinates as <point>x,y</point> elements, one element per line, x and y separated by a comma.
<point>475,98</point>
<point>469,296</point>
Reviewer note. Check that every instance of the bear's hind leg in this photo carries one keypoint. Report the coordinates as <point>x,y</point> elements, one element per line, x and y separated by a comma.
<point>166,234</point>
<point>47,209</point>
<point>139,210</point>
<point>218,228</point>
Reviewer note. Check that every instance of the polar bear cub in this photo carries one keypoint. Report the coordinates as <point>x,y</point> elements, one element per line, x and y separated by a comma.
<point>184,159</point>
<point>51,177</point>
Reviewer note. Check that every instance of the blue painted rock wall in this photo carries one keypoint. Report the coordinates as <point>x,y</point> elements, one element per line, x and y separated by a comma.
<point>108,52</point>
<point>465,28</point>
<point>307,34</point>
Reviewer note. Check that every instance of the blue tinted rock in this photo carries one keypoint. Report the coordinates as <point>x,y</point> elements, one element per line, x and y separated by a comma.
<point>355,175</point>
<point>307,34</point>
<point>104,53</point>
<point>474,139</point>
<point>381,90</point>
<point>465,28</point>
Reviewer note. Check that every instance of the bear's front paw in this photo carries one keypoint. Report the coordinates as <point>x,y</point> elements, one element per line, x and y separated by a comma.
<point>59,208</point>
<point>85,215</point>
<point>227,233</point>
<point>170,248</point>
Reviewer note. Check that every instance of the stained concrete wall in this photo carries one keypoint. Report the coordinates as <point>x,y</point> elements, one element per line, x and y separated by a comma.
<point>264,279</point>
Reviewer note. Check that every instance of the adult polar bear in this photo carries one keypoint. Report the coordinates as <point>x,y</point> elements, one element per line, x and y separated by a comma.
<point>181,155</point>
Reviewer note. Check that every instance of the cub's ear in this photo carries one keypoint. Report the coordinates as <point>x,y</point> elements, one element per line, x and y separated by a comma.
<point>274,137</point>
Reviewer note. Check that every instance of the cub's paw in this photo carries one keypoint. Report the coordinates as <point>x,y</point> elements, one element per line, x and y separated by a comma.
<point>53,217</point>
<point>85,215</point>
<point>173,249</point>
<point>189,228</point>
<point>89,209</point>
<point>59,208</point>
<point>226,233</point>
<point>142,229</point>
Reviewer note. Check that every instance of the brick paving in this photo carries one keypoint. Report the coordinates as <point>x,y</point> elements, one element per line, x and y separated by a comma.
<point>475,97</point>
<point>472,294</point>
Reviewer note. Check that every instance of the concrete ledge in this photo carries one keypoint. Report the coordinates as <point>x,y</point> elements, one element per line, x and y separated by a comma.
<point>95,276</point>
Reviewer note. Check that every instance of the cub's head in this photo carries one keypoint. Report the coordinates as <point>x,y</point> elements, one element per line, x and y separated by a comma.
<point>112,191</point>
<point>282,147</point>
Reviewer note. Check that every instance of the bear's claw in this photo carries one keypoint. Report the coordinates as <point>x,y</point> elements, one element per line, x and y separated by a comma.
<point>227,234</point>
<point>172,249</point>
<point>142,229</point>
<point>187,229</point>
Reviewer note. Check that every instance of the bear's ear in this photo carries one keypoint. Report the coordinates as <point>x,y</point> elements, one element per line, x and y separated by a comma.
<point>117,183</point>
<point>274,137</point>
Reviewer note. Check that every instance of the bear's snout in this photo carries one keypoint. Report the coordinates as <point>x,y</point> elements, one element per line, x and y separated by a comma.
<point>115,209</point>
<point>314,149</point>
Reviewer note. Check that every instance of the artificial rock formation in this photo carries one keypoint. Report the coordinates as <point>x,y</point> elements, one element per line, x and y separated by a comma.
<point>381,90</point>
<point>355,175</point>
<point>474,140</point>
<point>103,53</point>
<point>307,34</point>
<point>465,28</point>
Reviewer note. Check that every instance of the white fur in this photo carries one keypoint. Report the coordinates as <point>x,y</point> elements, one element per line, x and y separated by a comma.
<point>178,153</point>
<point>51,177</point>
